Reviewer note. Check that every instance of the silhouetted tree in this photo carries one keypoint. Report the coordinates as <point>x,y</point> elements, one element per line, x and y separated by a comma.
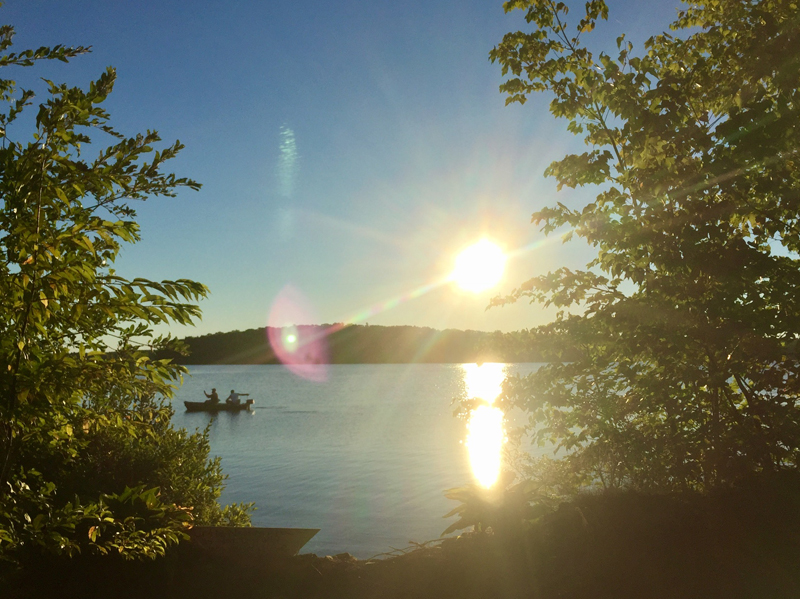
<point>687,318</point>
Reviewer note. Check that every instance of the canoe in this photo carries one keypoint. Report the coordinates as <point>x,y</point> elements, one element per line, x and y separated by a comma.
<point>202,406</point>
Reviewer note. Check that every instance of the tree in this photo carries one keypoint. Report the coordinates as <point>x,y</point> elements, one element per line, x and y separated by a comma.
<point>88,457</point>
<point>687,318</point>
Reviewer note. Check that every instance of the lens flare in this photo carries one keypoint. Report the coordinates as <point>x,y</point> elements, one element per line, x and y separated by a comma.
<point>287,162</point>
<point>302,349</point>
<point>485,434</point>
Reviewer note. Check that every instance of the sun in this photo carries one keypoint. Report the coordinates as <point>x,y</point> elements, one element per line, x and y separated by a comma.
<point>479,267</point>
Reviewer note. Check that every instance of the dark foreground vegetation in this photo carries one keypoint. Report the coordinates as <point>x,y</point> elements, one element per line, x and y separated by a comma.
<point>739,543</point>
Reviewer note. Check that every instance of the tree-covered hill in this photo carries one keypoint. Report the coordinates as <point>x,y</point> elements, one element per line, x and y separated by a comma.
<point>369,344</point>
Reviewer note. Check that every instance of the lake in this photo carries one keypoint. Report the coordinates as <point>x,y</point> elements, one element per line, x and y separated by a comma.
<point>364,454</point>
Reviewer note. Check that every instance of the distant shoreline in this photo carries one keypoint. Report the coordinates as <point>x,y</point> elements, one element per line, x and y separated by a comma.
<point>365,344</point>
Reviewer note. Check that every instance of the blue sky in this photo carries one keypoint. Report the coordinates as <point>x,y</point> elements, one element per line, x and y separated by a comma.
<point>346,149</point>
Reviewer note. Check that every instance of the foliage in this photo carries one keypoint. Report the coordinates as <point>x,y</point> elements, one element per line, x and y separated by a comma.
<point>687,318</point>
<point>88,458</point>
<point>505,508</point>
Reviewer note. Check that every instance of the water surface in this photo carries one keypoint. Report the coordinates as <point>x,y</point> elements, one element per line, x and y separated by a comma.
<point>364,455</point>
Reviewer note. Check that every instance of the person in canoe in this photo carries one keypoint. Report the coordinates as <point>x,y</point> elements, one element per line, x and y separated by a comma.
<point>213,398</point>
<point>233,398</point>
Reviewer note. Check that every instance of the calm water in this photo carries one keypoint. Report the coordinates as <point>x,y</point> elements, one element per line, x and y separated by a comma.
<point>364,456</point>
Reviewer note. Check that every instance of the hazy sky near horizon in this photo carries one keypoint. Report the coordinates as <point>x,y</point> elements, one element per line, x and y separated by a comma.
<point>347,149</point>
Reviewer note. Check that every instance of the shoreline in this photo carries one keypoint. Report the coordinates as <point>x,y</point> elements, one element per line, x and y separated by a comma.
<point>741,543</point>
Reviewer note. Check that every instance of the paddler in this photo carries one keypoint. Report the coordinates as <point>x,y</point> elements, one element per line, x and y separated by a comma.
<point>213,398</point>
<point>234,397</point>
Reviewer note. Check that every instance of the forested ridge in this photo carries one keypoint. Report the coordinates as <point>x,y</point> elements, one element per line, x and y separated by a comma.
<point>370,344</point>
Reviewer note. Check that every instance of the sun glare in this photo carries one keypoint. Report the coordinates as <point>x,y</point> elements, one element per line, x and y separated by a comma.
<point>485,435</point>
<point>485,381</point>
<point>485,444</point>
<point>479,267</point>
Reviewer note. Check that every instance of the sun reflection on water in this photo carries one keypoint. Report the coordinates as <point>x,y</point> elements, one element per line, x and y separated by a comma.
<point>485,435</point>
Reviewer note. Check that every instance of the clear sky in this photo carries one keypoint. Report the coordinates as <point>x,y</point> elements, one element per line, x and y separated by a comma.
<point>347,149</point>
